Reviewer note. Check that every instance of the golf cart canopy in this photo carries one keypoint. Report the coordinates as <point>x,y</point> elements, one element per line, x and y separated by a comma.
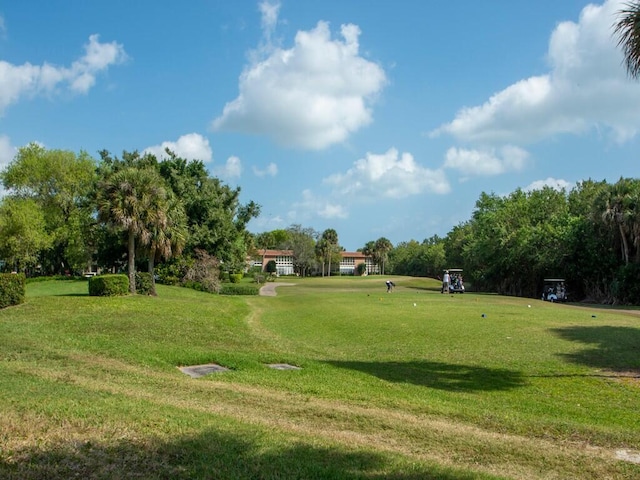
<point>554,290</point>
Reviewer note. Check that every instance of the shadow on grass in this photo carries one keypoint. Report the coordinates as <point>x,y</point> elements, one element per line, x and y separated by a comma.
<point>209,455</point>
<point>612,348</point>
<point>443,376</point>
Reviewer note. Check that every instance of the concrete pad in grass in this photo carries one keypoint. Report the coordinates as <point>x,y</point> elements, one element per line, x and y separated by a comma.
<point>197,371</point>
<point>283,366</point>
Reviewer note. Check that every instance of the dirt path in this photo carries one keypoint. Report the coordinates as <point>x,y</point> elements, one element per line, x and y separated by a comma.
<point>269,289</point>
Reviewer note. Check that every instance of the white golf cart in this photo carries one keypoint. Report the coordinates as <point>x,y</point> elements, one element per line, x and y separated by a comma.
<point>456,285</point>
<point>554,290</point>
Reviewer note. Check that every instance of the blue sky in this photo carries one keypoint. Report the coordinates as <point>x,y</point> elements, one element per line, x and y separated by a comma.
<point>383,118</point>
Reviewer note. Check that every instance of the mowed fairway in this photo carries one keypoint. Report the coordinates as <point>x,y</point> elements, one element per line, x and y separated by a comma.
<point>407,385</point>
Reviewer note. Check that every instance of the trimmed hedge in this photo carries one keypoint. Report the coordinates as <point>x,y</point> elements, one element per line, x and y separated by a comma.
<point>235,277</point>
<point>143,283</point>
<point>108,285</point>
<point>239,289</point>
<point>12,289</point>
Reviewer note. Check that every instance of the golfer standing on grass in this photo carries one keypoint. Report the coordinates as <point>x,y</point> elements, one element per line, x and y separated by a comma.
<point>445,282</point>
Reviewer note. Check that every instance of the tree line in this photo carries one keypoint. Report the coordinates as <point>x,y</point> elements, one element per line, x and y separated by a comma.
<point>66,213</point>
<point>590,236</point>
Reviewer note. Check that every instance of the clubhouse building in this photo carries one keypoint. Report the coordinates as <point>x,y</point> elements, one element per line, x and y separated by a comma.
<point>284,262</point>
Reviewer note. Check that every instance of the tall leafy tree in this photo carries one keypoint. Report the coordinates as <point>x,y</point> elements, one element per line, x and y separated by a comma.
<point>216,220</point>
<point>22,232</point>
<point>60,182</point>
<point>302,244</point>
<point>131,200</point>
<point>627,29</point>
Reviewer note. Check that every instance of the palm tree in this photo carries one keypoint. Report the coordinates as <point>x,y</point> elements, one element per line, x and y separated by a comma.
<point>321,252</point>
<point>370,251</point>
<point>627,28</point>
<point>125,202</point>
<point>618,206</point>
<point>382,248</point>
<point>330,238</point>
<point>168,227</point>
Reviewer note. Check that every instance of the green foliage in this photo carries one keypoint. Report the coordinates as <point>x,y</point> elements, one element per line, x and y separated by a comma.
<point>301,242</point>
<point>215,217</point>
<point>136,200</point>
<point>108,285</point>
<point>271,266</point>
<point>12,289</point>
<point>60,183</point>
<point>204,270</point>
<point>235,277</point>
<point>23,233</point>
<point>144,283</point>
<point>239,289</point>
<point>361,268</point>
<point>626,286</point>
<point>426,259</point>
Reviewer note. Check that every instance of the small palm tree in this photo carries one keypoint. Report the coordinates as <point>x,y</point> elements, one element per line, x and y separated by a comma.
<point>168,231</point>
<point>126,202</point>
<point>330,238</point>
<point>627,29</point>
<point>382,248</point>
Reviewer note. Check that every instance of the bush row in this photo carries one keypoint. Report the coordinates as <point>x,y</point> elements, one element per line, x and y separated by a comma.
<point>108,285</point>
<point>12,289</point>
<point>239,289</point>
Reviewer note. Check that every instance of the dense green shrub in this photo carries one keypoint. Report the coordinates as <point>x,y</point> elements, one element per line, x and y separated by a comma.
<point>143,283</point>
<point>271,266</point>
<point>12,289</point>
<point>625,287</point>
<point>108,285</point>
<point>235,277</point>
<point>239,289</point>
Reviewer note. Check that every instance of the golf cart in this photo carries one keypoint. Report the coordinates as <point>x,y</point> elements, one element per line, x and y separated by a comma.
<point>456,284</point>
<point>554,290</point>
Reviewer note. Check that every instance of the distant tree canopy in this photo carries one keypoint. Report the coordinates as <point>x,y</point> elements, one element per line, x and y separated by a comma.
<point>117,211</point>
<point>59,183</point>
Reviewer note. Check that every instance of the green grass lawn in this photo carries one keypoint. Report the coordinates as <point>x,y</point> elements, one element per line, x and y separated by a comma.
<point>407,385</point>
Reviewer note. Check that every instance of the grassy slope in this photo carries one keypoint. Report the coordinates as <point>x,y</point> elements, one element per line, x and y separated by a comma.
<point>89,386</point>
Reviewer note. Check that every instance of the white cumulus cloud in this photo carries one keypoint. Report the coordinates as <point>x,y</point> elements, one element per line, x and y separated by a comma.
<point>310,96</point>
<point>191,146</point>
<point>555,183</point>
<point>586,88</point>
<point>271,171</point>
<point>231,169</point>
<point>311,205</point>
<point>388,175</point>
<point>486,162</point>
<point>17,81</point>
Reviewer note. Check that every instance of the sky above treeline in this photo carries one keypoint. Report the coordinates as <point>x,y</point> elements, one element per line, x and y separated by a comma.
<point>376,119</point>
